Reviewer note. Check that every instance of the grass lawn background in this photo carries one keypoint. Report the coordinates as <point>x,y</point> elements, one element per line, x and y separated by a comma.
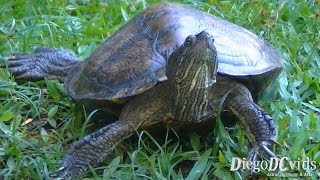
<point>291,26</point>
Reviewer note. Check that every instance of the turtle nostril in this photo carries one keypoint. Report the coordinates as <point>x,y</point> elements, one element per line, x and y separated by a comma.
<point>205,34</point>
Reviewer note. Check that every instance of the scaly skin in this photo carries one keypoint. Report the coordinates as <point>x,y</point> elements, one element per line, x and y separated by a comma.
<point>43,63</point>
<point>93,148</point>
<point>259,126</point>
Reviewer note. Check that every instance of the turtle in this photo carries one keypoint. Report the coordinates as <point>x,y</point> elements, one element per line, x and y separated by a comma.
<point>170,63</point>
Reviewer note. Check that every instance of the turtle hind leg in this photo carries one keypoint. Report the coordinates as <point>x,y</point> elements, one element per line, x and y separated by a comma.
<point>258,124</point>
<point>44,62</point>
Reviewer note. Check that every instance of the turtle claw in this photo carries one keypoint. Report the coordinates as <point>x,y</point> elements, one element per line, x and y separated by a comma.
<point>258,150</point>
<point>64,173</point>
<point>68,169</point>
<point>59,174</point>
<point>261,148</point>
<point>268,151</point>
<point>253,154</point>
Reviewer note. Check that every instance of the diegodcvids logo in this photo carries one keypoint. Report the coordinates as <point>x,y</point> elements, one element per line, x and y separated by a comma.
<point>284,164</point>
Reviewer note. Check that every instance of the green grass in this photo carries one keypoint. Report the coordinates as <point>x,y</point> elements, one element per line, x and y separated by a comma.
<point>291,26</point>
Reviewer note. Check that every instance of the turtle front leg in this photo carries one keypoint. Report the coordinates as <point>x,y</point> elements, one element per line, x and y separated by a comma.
<point>139,113</point>
<point>93,148</point>
<point>44,62</point>
<point>259,125</point>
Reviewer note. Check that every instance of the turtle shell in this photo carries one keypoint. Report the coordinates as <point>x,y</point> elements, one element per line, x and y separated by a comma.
<point>133,59</point>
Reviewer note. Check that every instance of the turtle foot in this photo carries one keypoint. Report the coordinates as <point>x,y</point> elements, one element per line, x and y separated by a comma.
<point>44,62</point>
<point>92,149</point>
<point>262,149</point>
<point>61,173</point>
<point>67,172</point>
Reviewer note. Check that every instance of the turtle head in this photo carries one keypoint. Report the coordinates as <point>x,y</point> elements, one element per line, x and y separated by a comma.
<point>191,71</point>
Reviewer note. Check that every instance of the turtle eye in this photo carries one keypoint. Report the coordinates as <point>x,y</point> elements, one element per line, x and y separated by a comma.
<point>190,40</point>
